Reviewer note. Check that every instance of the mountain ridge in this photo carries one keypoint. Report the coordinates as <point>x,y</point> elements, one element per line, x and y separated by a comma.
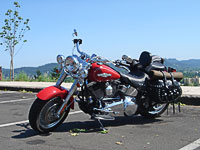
<point>183,65</point>
<point>180,65</point>
<point>31,71</point>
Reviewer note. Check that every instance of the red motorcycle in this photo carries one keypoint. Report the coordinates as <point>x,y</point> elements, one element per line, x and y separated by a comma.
<point>104,88</point>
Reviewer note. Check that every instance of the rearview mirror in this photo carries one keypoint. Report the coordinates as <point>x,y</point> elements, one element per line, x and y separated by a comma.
<point>75,32</point>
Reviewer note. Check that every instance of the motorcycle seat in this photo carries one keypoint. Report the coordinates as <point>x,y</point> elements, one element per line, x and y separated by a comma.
<point>150,62</point>
<point>155,66</point>
<point>135,79</point>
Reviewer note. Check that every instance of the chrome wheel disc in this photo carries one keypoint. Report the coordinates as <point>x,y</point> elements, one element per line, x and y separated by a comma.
<point>48,116</point>
<point>157,109</point>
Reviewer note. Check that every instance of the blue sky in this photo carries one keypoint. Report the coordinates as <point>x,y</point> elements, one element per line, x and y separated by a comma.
<point>110,28</point>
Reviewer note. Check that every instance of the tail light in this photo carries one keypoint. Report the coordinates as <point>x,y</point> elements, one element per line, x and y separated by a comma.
<point>171,69</point>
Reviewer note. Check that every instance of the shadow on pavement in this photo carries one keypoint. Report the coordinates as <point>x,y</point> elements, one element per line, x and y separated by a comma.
<point>89,126</point>
<point>94,126</point>
<point>25,132</point>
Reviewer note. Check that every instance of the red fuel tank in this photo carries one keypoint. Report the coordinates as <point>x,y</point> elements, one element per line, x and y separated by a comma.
<point>102,73</point>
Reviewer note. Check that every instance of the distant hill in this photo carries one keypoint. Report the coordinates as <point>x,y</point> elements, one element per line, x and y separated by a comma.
<point>30,71</point>
<point>180,65</point>
<point>183,65</point>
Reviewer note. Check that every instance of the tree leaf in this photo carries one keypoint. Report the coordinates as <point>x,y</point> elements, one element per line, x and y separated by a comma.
<point>16,4</point>
<point>104,132</point>
<point>16,13</point>
<point>9,11</point>
<point>74,134</point>
<point>20,18</point>
<point>76,130</point>
<point>119,143</point>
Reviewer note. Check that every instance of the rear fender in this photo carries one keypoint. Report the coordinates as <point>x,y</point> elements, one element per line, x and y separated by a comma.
<point>52,92</point>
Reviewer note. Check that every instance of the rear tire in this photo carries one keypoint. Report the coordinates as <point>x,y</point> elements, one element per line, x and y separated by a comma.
<point>42,115</point>
<point>155,111</point>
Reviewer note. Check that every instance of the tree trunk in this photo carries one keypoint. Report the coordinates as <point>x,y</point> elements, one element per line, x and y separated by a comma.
<point>10,69</point>
<point>11,66</point>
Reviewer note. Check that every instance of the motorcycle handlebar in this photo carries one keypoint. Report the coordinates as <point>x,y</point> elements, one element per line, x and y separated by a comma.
<point>119,62</point>
<point>75,33</point>
<point>77,42</point>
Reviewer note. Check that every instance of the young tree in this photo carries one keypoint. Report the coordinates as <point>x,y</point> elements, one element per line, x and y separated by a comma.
<point>13,33</point>
<point>38,74</point>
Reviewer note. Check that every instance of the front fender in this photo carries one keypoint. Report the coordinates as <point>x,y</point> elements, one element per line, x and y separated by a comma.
<point>53,91</point>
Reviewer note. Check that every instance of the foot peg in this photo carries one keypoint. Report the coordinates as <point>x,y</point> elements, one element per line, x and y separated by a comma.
<point>103,117</point>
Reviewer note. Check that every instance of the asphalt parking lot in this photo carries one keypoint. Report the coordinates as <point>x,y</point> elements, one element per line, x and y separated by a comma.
<point>169,132</point>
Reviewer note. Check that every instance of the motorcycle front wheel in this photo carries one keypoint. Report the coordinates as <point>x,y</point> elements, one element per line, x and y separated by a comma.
<point>42,115</point>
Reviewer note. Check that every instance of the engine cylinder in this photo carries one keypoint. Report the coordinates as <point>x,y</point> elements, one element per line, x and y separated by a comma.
<point>109,90</point>
<point>130,106</point>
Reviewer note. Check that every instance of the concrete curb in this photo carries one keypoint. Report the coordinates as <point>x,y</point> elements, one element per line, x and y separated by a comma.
<point>28,86</point>
<point>188,99</point>
<point>9,88</point>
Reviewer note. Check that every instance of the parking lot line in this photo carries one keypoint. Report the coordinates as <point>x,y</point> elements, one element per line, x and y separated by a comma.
<point>3,92</point>
<point>13,123</point>
<point>192,146</point>
<point>18,100</point>
<point>26,121</point>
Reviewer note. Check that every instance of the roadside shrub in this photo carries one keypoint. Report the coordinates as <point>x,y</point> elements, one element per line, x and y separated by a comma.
<point>22,77</point>
<point>5,78</point>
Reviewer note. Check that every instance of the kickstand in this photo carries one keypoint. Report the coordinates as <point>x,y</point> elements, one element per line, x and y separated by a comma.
<point>173,108</point>
<point>102,127</point>
<point>179,107</point>
<point>167,109</point>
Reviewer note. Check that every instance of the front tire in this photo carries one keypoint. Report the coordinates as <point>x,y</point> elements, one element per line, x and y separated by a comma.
<point>42,115</point>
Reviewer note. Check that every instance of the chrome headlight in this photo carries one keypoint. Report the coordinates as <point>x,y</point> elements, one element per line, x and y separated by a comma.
<point>60,59</point>
<point>72,64</point>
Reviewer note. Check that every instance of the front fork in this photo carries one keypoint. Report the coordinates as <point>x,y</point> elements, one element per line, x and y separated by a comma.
<point>70,93</point>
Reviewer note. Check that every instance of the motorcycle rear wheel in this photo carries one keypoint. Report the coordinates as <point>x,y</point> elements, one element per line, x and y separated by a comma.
<point>42,115</point>
<point>155,111</point>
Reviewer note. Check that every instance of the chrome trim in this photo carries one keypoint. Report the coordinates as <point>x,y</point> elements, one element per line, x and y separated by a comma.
<point>130,106</point>
<point>107,108</point>
<point>80,52</point>
<point>104,75</point>
<point>62,77</point>
<point>157,109</point>
<point>52,120</point>
<point>109,90</point>
<point>104,110</point>
<point>70,93</point>
<point>109,99</point>
<point>60,59</point>
<point>114,104</point>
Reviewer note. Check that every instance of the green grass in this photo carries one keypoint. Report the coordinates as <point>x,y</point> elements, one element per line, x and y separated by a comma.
<point>41,78</point>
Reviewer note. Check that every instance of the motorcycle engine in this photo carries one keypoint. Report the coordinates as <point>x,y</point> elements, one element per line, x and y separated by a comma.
<point>93,93</point>
<point>111,90</point>
<point>165,92</point>
<point>103,90</point>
